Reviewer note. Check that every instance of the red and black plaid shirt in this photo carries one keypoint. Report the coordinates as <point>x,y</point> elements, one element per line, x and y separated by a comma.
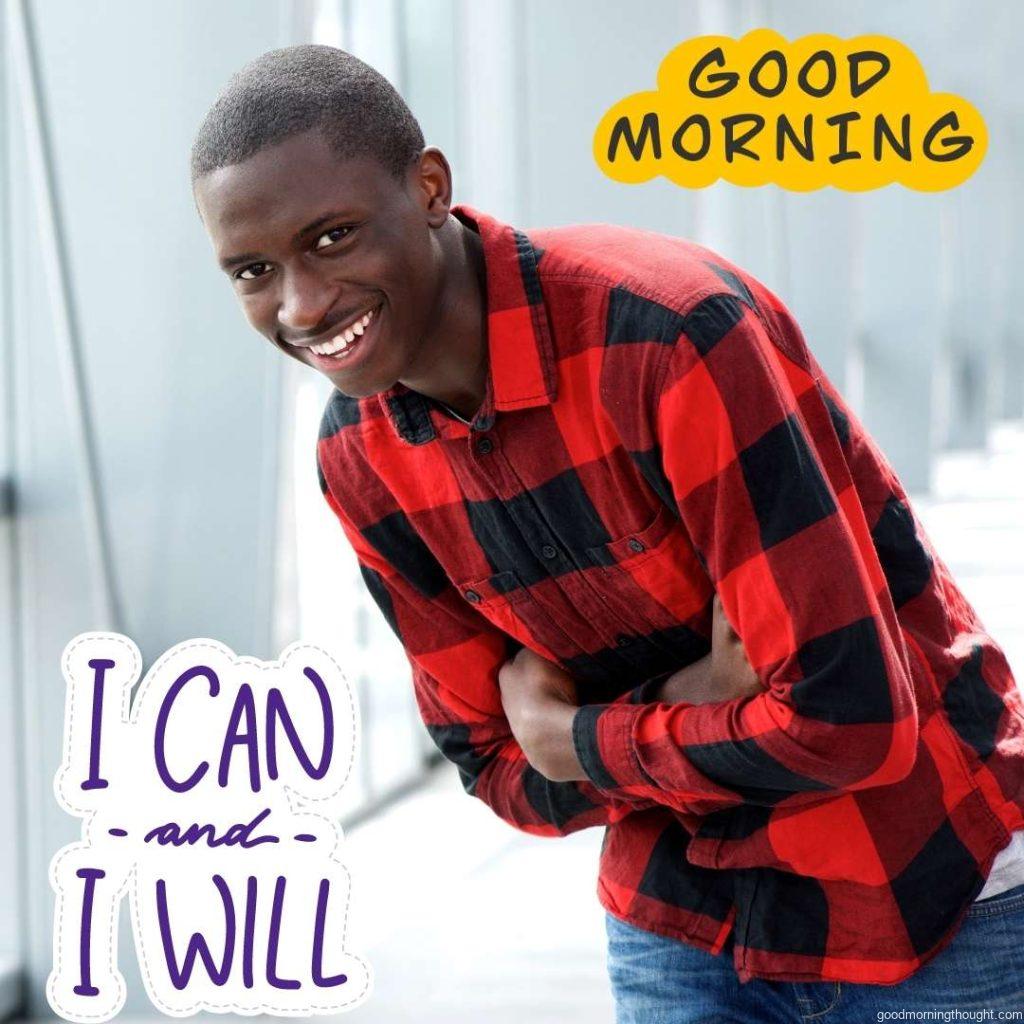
<point>654,430</point>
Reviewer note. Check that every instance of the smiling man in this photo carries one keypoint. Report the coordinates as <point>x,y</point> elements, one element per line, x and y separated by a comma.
<point>650,571</point>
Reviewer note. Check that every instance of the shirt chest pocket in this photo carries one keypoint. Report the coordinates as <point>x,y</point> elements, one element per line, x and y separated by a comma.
<point>637,546</point>
<point>653,580</point>
<point>508,602</point>
<point>620,612</point>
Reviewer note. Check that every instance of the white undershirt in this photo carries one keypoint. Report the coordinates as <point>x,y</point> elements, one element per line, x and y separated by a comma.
<point>451,412</point>
<point>1007,869</point>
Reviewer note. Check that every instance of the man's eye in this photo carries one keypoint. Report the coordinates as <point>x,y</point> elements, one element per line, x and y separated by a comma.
<point>330,237</point>
<point>251,272</point>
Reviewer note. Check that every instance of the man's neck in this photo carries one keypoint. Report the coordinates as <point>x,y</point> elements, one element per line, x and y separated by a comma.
<point>457,370</point>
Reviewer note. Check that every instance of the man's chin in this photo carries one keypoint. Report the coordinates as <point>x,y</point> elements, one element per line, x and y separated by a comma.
<point>356,389</point>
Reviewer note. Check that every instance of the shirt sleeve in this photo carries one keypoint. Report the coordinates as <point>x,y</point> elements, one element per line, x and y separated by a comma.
<point>751,458</point>
<point>455,654</point>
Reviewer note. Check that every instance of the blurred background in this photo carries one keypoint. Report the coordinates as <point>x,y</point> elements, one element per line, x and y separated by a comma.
<point>156,456</point>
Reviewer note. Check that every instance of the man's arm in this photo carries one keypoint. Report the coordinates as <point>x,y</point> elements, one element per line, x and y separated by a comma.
<point>540,701</point>
<point>753,463</point>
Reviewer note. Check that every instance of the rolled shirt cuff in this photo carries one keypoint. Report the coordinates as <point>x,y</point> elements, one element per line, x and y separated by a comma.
<point>602,736</point>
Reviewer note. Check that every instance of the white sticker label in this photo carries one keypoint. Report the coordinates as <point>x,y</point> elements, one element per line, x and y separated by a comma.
<point>208,805</point>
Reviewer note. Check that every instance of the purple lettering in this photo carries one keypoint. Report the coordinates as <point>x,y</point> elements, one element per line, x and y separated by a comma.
<point>161,727</point>
<point>244,707</point>
<point>99,667</point>
<point>197,945</point>
<point>276,711</point>
<point>90,876</point>
<point>172,834</point>
<point>274,937</point>
<point>319,978</point>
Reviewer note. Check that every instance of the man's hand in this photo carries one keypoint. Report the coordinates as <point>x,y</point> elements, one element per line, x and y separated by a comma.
<point>724,674</point>
<point>539,699</point>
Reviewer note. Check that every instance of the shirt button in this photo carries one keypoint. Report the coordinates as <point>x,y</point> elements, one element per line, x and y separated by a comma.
<point>623,639</point>
<point>548,551</point>
<point>485,445</point>
<point>471,595</point>
<point>636,545</point>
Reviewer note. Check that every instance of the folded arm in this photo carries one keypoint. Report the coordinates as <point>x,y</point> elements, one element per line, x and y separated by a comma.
<point>755,468</point>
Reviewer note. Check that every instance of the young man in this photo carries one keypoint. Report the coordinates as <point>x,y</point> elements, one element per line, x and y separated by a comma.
<point>576,466</point>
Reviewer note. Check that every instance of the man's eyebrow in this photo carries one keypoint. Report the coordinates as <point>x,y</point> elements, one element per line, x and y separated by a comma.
<point>320,221</point>
<point>243,257</point>
<point>251,257</point>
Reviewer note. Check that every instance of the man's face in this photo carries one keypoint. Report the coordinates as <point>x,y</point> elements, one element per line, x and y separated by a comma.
<point>335,261</point>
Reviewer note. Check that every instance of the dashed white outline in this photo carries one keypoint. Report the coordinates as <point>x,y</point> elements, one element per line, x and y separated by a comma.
<point>129,716</point>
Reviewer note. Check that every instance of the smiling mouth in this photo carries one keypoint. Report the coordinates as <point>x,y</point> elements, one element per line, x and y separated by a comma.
<point>340,344</point>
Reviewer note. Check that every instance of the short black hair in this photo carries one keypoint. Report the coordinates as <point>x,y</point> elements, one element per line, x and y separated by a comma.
<point>300,88</point>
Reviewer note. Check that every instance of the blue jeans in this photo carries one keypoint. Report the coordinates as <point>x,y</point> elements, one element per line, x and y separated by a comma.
<point>656,980</point>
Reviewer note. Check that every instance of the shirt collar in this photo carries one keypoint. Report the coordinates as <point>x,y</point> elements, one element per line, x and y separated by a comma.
<point>521,368</point>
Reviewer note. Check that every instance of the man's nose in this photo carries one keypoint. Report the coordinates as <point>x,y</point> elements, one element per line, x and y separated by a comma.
<point>305,300</point>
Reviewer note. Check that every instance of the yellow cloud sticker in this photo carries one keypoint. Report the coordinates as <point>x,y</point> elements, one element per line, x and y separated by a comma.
<point>854,113</point>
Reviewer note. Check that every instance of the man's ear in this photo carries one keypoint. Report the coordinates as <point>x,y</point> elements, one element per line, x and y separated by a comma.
<point>433,183</point>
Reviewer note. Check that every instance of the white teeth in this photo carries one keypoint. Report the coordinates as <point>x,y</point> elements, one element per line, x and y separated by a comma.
<point>341,341</point>
<point>328,348</point>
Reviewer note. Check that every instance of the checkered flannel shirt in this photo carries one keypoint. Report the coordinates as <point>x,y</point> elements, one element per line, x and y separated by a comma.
<point>654,430</point>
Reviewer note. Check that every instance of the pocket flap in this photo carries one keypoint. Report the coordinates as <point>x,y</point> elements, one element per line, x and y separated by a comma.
<point>635,546</point>
<point>489,589</point>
